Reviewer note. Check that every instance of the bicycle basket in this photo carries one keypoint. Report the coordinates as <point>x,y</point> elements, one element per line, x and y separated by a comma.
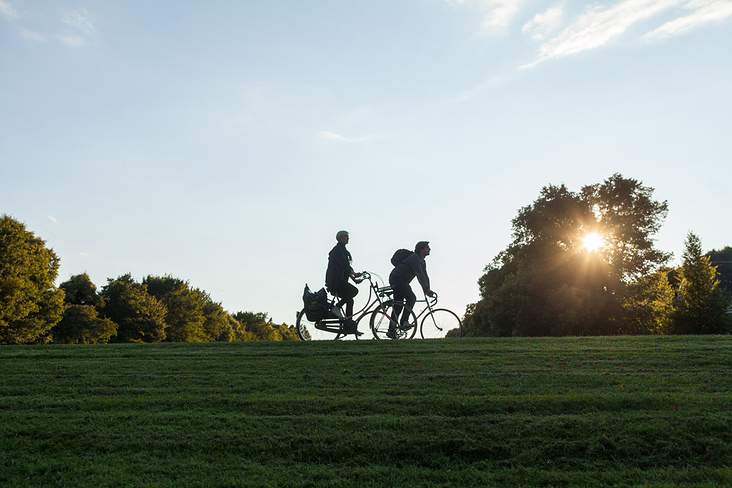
<point>316,304</point>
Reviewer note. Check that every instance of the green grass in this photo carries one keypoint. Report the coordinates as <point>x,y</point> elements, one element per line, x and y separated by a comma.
<point>651,411</point>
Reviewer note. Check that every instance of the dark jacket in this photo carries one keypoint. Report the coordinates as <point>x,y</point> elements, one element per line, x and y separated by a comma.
<point>411,267</point>
<point>339,267</point>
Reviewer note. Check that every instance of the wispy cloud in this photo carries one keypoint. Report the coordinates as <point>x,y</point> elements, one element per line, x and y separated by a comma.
<point>482,87</point>
<point>78,27</point>
<point>337,137</point>
<point>79,20</point>
<point>53,220</point>
<point>598,26</point>
<point>707,11</point>
<point>497,14</point>
<point>7,10</point>
<point>83,29</point>
<point>545,23</point>
<point>72,41</point>
<point>32,36</point>
<point>500,12</point>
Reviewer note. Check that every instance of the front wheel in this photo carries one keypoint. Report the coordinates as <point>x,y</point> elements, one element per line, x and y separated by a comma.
<point>381,322</point>
<point>441,323</point>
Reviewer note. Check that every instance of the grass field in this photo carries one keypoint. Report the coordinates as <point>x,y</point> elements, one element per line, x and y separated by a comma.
<point>651,411</point>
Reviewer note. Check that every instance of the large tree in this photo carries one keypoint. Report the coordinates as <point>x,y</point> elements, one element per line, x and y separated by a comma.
<point>140,317</point>
<point>81,323</point>
<point>551,281</point>
<point>627,217</point>
<point>701,305</point>
<point>30,304</point>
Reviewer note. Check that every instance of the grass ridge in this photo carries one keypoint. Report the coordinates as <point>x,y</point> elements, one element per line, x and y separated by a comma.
<point>603,411</point>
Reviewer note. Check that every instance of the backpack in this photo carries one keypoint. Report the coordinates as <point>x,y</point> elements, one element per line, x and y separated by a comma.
<point>316,304</point>
<point>399,256</point>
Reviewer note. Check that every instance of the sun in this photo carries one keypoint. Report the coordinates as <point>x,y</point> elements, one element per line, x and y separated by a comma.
<point>593,241</point>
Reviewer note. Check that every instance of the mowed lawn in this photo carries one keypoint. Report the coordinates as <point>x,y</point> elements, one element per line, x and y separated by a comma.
<point>626,411</point>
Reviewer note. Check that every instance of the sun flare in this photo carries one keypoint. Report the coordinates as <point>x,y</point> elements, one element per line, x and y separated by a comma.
<point>593,241</point>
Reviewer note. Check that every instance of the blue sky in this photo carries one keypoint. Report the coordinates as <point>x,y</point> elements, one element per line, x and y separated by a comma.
<point>226,142</point>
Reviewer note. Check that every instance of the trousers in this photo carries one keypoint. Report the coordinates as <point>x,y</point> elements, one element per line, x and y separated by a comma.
<point>346,292</point>
<point>403,295</point>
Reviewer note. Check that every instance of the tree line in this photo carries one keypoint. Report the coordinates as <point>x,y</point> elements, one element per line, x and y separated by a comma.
<point>579,263</point>
<point>158,309</point>
<point>550,282</point>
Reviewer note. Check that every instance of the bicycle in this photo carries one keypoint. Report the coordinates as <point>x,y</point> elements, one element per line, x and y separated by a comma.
<point>333,327</point>
<point>436,322</point>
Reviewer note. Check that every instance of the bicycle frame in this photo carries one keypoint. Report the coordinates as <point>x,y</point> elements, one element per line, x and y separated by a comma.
<point>433,320</point>
<point>430,301</point>
<point>375,301</point>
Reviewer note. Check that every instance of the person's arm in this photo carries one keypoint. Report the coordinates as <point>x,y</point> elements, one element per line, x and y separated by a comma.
<point>426,283</point>
<point>416,264</point>
<point>355,276</point>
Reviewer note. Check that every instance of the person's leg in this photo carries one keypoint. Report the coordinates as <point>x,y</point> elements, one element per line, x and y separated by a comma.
<point>402,290</point>
<point>346,293</point>
<point>409,299</point>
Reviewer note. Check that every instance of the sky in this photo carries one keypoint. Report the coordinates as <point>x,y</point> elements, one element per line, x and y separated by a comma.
<point>226,142</point>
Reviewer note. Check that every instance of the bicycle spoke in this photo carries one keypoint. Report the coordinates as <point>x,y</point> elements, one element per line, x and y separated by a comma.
<point>381,323</point>
<point>441,323</point>
<point>308,331</point>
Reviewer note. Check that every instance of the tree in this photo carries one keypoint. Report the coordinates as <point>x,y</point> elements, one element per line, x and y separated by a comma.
<point>722,259</point>
<point>724,250</point>
<point>81,323</point>
<point>701,305</point>
<point>236,331</point>
<point>263,329</point>
<point>192,316</point>
<point>549,282</point>
<point>30,304</point>
<point>648,305</point>
<point>627,217</point>
<point>286,332</point>
<point>184,316</point>
<point>140,317</point>
<point>217,324</point>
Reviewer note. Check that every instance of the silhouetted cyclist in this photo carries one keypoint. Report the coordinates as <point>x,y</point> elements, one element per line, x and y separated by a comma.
<point>399,279</point>
<point>336,280</point>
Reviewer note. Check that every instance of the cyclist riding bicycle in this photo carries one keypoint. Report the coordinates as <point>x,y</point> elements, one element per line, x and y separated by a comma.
<point>336,281</point>
<point>413,266</point>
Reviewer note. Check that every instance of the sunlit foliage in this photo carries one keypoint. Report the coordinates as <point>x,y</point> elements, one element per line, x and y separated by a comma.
<point>547,282</point>
<point>140,317</point>
<point>81,323</point>
<point>702,305</point>
<point>30,304</point>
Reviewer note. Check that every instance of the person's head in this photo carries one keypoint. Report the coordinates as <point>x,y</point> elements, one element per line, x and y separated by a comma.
<point>422,248</point>
<point>342,236</point>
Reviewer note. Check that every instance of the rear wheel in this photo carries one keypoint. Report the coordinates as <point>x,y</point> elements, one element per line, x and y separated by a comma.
<point>441,323</point>
<point>381,320</point>
<point>308,332</point>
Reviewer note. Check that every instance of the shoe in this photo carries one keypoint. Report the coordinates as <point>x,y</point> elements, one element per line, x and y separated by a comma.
<point>391,334</point>
<point>406,326</point>
<point>350,327</point>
